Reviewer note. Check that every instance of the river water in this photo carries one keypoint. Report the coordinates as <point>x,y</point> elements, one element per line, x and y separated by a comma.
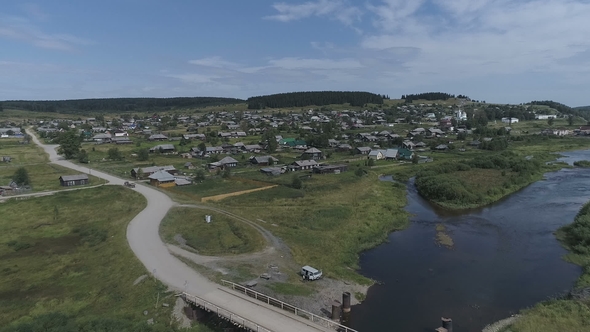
<point>505,257</point>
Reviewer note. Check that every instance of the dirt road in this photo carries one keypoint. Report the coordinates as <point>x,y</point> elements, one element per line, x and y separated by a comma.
<point>144,239</point>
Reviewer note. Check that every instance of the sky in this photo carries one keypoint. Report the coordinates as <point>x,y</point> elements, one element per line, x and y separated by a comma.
<point>501,51</point>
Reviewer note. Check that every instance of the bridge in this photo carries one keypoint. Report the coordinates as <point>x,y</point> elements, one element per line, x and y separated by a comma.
<point>145,242</point>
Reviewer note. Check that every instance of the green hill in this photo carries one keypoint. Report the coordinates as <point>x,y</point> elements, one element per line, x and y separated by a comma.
<point>80,106</point>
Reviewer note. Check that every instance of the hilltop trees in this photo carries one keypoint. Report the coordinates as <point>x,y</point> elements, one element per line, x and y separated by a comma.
<point>319,98</point>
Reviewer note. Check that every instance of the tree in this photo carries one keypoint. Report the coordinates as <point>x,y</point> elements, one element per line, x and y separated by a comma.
<point>21,177</point>
<point>1,108</point>
<point>69,144</point>
<point>550,121</point>
<point>200,176</point>
<point>202,147</point>
<point>359,172</point>
<point>570,120</point>
<point>114,154</point>
<point>414,158</point>
<point>296,182</point>
<point>83,157</point>
<point>143,154</point>
<point>226,173</point>
<point>371,162</point>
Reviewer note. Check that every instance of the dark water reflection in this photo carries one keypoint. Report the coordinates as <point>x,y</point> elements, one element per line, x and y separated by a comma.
<point>505,258</point>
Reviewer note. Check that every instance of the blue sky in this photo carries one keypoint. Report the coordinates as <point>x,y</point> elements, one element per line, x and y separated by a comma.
<point>494,50</point>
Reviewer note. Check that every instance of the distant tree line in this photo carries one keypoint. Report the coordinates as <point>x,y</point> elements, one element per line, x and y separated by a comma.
<point>317,98</point>
<point>117,104</point>
<point>431,96</point>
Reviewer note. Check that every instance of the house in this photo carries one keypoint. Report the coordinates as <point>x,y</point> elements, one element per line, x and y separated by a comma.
<point>223,164</point>
<point>162,179</point>
<point>6,159</point>
<point>252,148</point>
<point>363,150</point>
<point>333,169</point>
<point>121,140</point>
<point>142,173</point>
<point>344,147</point>
<point>301,165</point>
<point>163,148</point>
<point>313,153</point>
<point>376,154</point>
<point>264,160</point>
<point>272,171</point>
<point>442,147</point>
<point>73,180</point>
<point>158,137</point>
<point>194,136</point>
<point>189,165</point>
<point>103,138</point>
<point>390,154</point>
<point>510,120</point>
<point>405,154</point>
<point>182,182</point>
<point>408,145</point>
<point>333,143</point>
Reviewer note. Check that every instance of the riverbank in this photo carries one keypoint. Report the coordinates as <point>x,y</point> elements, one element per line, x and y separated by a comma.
<point>474,180</point>
<point>572,311</point>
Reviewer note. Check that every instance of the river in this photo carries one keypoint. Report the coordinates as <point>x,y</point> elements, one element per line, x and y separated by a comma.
<point>505,257</point>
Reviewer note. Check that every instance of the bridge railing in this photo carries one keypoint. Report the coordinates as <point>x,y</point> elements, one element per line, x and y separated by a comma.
<point>322,321</point>
<point>224,313</point>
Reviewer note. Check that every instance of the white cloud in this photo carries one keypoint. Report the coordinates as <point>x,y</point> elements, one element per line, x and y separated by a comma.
<point>215,61</point>
<point>500,37</point>
<point>339,10</point>
<point>19,28</point>
<point>322,64</point>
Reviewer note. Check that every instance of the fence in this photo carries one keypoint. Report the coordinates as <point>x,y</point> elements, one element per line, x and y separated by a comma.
<point>223,313</point>
<point>288,307</point>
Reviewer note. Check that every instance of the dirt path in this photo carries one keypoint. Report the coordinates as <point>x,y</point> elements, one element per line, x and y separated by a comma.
<point>145,242</point>
<point>500,325</point>
<point>237,193</point>
<point>46,193</point>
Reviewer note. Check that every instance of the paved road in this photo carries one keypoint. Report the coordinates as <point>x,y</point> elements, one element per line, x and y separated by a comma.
<point>144,239</point>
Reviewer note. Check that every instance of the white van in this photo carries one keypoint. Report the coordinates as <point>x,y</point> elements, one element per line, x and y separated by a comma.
<point>309,273</point>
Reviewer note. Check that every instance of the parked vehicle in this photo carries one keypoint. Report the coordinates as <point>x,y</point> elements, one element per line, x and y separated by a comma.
<point>129,184</point>
<point>309,273</point>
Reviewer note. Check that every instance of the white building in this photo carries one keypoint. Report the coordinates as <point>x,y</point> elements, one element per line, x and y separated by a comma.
<point>545,116</point>
<point>510,120</point>
<point>460,115</point>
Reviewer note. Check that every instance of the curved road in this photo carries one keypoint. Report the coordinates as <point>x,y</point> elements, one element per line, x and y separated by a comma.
<point>144,239</point>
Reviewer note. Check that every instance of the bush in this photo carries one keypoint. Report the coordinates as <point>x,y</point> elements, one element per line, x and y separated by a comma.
<point>114,154</point>
<point>296,183</point>
<point>21,177</point>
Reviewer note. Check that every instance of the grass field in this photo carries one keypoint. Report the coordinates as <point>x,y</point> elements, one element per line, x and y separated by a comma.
<point>63,259</point>
<point>330,221</point>
<point>43,177</point>
<point>21,154</point>
<point>223,236</point>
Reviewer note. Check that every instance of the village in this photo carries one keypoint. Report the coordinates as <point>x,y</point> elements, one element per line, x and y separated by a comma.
<point>172,149</point>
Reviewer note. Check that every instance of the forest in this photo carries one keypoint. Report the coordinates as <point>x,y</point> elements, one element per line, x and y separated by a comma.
<point>317,98</point>
<point>80,106</point>
<point>430,96</point>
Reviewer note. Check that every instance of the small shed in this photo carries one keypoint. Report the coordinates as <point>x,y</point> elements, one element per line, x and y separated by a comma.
<point>74,180</point>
